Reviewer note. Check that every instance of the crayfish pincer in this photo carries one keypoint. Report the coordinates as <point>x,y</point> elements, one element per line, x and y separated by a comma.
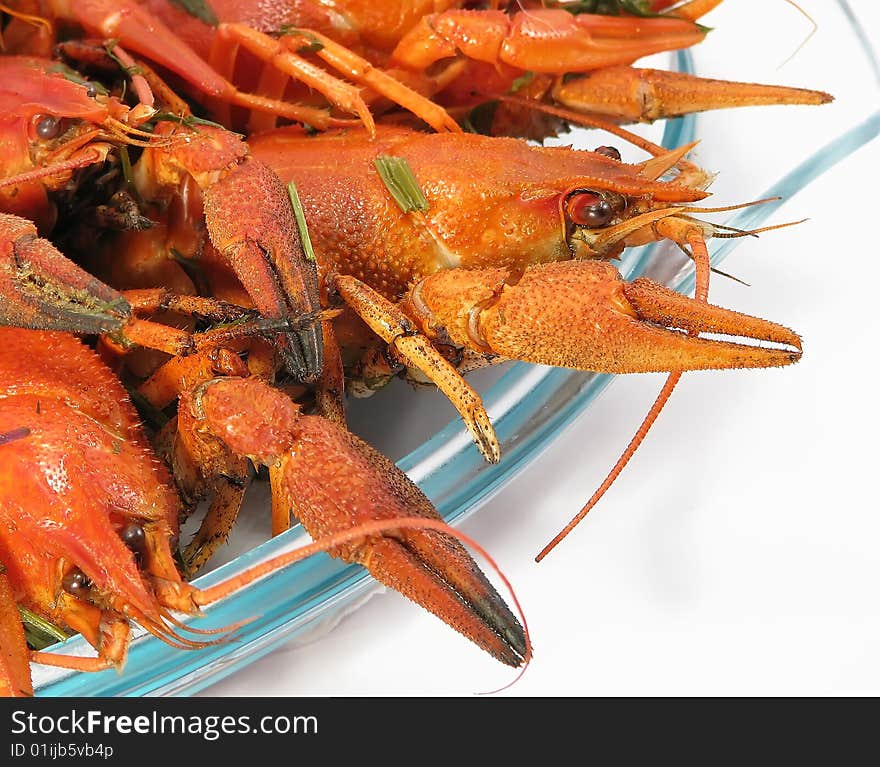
<point>505,256</point>
<point>332,480</point>
<point>87,534</point>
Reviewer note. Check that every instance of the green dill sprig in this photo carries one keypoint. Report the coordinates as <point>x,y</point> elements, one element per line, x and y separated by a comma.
<point>188,121</point>
<point>610,7</point>
<point>39,633</point>
<point>110,46</point>
<point>149,413</point>
<point>399,179</point>
<point>522,81</point>
<point>300,216</point>
<point>311,45</point>
<point>128,173</point>
<point>616,7</point>
<point>75,77</point>
<point>198,9</point>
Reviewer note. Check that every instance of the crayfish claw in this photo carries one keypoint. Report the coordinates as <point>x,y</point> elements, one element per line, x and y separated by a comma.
<point>469,604</point>
<point>43,290</point>
<point>250,220</point>
<point>334,482</point>
<point>583,315</point>
<point>626,94</point>
<point>658,304</point>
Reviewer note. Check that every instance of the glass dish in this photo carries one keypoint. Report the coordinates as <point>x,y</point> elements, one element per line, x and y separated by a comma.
<point>529,405</point>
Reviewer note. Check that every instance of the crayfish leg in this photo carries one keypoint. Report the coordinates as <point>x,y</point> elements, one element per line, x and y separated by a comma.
<point>395,328</point>
<point>15,673</point>
<point>203,468</point>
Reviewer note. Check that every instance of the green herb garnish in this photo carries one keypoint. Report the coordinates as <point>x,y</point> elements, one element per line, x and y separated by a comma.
<point>39,632</point>
<point>150,414</point>
<point>398,177</point>
<point>199,9</point>
<point>610,7</point>
<point>189,121</point>
<point>522,81</point>
<point>311,45</point>
<point>300,215</point>
<point>109,46</point>
<point>75,77</point>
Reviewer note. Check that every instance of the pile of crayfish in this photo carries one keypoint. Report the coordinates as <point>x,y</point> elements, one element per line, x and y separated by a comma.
<point>216,221</point>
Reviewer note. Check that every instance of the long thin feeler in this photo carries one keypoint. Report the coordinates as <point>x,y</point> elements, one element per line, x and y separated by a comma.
<point>701,261</point>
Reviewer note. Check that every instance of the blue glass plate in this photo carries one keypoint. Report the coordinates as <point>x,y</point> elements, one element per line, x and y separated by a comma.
<point>530,405</point>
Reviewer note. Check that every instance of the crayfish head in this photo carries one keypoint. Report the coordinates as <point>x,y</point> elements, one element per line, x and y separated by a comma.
<point>52,123</point>
<point>608,205</point>
<point>636,224</point>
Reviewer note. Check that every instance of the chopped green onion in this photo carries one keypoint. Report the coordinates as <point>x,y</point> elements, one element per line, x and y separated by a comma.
<point>522,81</point>
<point>311,45</point>
<point>199,9</point>
<point>300,215</point>
<point>188,120</point>
<point>398,177</point>
<point>40,633</point>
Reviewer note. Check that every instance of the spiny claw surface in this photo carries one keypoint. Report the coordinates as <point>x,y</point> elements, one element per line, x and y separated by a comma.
<point>643,95</point>
<point>40,288</point>
<point>582,314</point>
<point>334,481</point>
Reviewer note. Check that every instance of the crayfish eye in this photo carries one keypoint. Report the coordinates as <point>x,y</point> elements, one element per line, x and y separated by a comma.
<point>608,151</point>
<point>589,209</point>
<point>48,127</point>
<point>76,583</point>
<point>134,537</point>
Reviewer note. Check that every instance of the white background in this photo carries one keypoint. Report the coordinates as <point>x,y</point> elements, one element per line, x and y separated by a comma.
<point>738,553</point>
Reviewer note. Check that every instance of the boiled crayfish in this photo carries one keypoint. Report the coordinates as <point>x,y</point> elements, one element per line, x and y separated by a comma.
<point>523,279</point>
<point>430,291</point>
<point>569,64</point>
<point>77,570</point>
<point>86,536</point>
<point>433,293</point>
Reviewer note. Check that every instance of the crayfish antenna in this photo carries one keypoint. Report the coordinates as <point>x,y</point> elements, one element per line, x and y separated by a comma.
<point>662,398</point>
<point>701,293</point>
